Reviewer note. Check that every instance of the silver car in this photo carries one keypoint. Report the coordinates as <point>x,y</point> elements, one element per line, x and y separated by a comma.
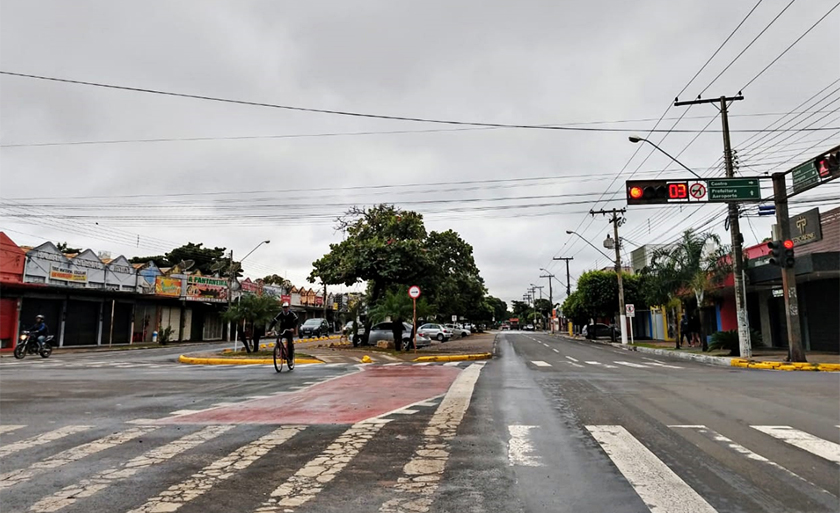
<point>385,331</point>
<point>436,331</point>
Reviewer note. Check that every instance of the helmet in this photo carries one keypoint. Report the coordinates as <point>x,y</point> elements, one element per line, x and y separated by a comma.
<point>39,316</point>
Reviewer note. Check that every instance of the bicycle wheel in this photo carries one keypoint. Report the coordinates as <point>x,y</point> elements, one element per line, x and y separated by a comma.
<point>279,355</point>
<point>290,361</point>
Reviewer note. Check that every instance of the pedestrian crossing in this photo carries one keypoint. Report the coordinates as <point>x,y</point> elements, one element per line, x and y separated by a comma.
<point>615,364</point>
<point>227,455</point>
<point>167,367</point>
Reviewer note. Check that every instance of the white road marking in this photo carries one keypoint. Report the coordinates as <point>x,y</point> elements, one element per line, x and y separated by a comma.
<point>422,474</point>
<point>572,359</point>
<point>540,363</point>
<point>629,364</point>
<point>451,364</point>
<point>217,471</point>
<point>594,363</point>
<point>88,487</point>
<point>73,454</point>
<point>658,486</point>
<point>610,366</point>
<point>424,363</point>
<point>660,364</point>
<point>389,357</point>
<point>392,364</point>
<point>10,427</point>
<point>573,364</point>
<point>829,500</point>
<point>310,480</point>
<point>555,350</point>
<point>805,441</point>
<point>520,448</point>
<point>184,412</point>
<point>42,439</point>
<point>406,412</point>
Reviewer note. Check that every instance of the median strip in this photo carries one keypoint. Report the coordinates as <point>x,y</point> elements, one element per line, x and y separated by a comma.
<point>455,357</point>
<point>195,360</point>
<point>785,366</point>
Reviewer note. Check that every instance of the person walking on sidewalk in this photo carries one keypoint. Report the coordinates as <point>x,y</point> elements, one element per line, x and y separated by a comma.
<point>694,329</point>
<point>683,332</point>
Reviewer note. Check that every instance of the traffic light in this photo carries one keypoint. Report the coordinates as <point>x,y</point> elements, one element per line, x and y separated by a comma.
<point>775,252</point>
<point>788,260</point>
<point>828,165</point>
<point>644,192</point>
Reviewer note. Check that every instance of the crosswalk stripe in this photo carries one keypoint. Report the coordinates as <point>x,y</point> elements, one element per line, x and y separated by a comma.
<point>423,363</point>
<point>73,454</point>
<point>451,364</point>
<point>629,364</point>
<point>540,363</point>
<point>805,441</point>
<point>826,498</point>
<point>41,439</point>
<point>310,480</point>
<point>658,486</point>
<point>422,474</point>
<point>88,487</point>
<point>10,427</point>
<point>219,470</point>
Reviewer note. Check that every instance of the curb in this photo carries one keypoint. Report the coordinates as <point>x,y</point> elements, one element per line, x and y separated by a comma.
<point>724,361</point>
<point>785,366</point>
<point>192,360</point>
<point>454,358</point>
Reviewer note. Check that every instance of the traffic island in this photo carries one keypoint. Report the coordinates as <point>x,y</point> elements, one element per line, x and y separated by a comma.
<point>454,357</point>
<point>261,358</point>
<point>785,366</point>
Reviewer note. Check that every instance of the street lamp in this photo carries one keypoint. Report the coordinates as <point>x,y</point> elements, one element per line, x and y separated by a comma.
<point>231,281</point>
<point>635,139</point>
<point>570,232</point>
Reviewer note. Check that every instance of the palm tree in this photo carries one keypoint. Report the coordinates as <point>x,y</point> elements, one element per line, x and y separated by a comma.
<point>697,262</point>
<point>399,307</point>
<point>253,311</point>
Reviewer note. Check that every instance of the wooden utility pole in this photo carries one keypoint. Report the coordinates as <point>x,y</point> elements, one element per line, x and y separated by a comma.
<point>794,330</point>
<point>568,279</point>
<point>616,220</point>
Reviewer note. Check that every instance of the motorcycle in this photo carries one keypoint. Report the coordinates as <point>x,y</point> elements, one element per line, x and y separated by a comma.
<point>28,344</point>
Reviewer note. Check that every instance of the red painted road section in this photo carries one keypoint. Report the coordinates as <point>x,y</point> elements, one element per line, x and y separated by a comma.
<point>344,400</point>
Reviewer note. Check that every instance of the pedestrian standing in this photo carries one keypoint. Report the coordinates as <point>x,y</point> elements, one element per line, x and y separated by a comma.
<point>256,333</point>
<point>694,329</point>
<point>683,332</point>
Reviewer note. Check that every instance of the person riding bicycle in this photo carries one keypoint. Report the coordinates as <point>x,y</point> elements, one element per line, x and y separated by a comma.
<point>39,330</point>
<point>287,320</point>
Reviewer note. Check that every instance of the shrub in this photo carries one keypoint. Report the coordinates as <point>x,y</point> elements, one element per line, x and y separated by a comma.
<point>729,340</point>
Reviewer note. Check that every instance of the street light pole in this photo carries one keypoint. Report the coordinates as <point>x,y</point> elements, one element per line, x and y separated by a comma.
<point>622,315</point>
<point>550,295</point>
<point>570,232</point>
<point>231,274</point>
<point>635,138</point>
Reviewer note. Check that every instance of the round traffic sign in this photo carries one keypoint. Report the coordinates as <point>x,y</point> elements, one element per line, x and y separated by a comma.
<point>414,292</point>
<point>697,190</point>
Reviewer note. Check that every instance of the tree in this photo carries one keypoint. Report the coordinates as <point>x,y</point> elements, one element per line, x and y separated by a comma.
<point>206,260</point>
<point>254,311</point>
<point>454,285</point>
<point>694,265</point>
<point>498,307</point>
<point>64,248</point>
<point>400,308</point>
<point>520,309</point>
<point>543,306</point>
<point>276,279</point>
<point>573,308</point>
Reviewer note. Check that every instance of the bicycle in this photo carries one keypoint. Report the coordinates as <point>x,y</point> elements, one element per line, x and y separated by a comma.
<point>281,353</point>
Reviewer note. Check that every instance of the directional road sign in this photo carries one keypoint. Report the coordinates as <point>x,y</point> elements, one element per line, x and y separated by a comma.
<point>719,190</point>
<point>734,189</point>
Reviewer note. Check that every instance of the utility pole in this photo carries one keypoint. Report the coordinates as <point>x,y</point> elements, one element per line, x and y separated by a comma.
<point>230,294</point>
<point>734,226</point>
<point>535,287</point>
<point>622,315</point>
<point>550,297</point>
<point>794,332</point>
<point>568,279</point>
<point>325,307</point>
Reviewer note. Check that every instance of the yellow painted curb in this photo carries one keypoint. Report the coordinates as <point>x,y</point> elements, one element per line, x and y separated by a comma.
<point>761,365</point>
<point>740,364</point>
<point>455,358</point>
<point>191,360</point>
<point>830,367</point>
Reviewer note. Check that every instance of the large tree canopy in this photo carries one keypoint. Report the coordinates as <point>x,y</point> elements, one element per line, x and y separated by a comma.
<point>597,295</point>
<point>206,260</point>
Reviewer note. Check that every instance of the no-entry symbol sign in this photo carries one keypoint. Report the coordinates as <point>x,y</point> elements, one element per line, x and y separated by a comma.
<point>414,292</point>
<point>697,191</point>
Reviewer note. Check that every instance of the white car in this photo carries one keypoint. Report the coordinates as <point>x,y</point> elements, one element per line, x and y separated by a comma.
<point>435,331</point>
<point>464,329</point>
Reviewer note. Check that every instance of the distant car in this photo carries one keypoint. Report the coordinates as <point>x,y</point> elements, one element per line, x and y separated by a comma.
<point>315,327</point>
<point>436,331</point>
<point>505,327</point>
<point>528,327</point>
<point>385,331</point>
<point>601,330</point>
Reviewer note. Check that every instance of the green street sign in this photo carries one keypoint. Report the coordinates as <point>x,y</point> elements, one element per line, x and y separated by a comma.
<point>805,176</point>
<point>734,189</point>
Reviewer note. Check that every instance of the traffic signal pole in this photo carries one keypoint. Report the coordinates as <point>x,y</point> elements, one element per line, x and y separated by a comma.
<point>734,227</point>
<point>794,332</point>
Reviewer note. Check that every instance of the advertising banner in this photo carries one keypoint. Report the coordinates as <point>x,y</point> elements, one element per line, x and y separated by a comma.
<point>251,287</point>
<point>165,286</point>
<point>286,298</point>
<point>58,272</point>
<point>212,290</point>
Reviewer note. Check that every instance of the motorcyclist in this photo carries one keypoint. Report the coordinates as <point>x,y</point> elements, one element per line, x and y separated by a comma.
<point>39,330</point>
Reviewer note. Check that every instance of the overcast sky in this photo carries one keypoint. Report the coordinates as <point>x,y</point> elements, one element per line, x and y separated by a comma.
<point>524,62</point>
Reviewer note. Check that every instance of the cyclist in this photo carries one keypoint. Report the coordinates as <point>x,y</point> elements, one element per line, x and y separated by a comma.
<point>287,320</point>
<point>39,330</point>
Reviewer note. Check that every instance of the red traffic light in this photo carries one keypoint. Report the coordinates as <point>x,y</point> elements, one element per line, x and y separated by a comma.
<point>788,244</point>
<point>636,192</point>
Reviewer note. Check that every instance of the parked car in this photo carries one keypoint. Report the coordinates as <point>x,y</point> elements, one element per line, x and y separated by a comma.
<point>315,327</point>
<point>385,331</point>
<point>528,327</point>
<point>465,330</point>
<point>601,330</point>
<point>436,331</point>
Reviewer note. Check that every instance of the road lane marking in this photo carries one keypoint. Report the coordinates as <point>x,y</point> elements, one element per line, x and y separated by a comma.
<point>573,364</point>
<point>572,359</point>
<point>658,486</point>
<point>555,350</point>
<point>10,427</point>
<point>88,487</point>
<point>42,439</point>
<point>422,474</point>
<point>805,441</point>
<point>423,363</point>
<point>540,363</point>
<point>312,477</point>
<point>217,471</point>
<point>451,364</point>
<point>826,498</point>
<point>73,454</point>
<point>629,364</point>
<point>520,448</point>
<point>594,363</point>
<point>660,364</point>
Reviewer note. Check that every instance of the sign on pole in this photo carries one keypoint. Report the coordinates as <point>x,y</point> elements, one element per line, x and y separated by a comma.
<point>691,190</point>
<point>630,310</point>
<point>414,292</point>
<point>454,318</point>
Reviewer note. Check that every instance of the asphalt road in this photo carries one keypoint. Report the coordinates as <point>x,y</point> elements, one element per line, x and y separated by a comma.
<point>549,425</point>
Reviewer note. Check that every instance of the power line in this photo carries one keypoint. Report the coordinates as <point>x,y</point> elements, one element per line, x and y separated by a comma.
<point>338,112</point>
